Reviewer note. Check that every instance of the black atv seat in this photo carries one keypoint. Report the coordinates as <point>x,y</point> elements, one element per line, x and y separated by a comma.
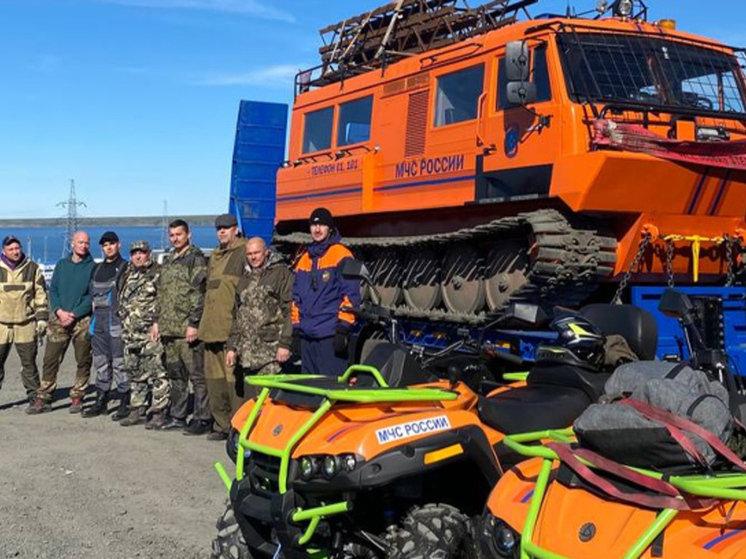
<point>397,366</point>
<point>634,324</point>
<point>554,397</point>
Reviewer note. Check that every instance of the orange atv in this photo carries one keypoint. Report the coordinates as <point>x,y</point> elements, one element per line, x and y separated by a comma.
<point>568,503</point>
<point>389,460</point>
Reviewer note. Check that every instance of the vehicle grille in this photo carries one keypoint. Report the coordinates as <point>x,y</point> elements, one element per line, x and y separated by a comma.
<point>264,473</point>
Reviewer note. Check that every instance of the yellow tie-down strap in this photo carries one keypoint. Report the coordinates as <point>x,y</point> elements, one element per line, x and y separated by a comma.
<point>696,241</point>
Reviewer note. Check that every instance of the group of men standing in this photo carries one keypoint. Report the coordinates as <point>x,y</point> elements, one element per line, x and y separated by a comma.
<point>150,329</point>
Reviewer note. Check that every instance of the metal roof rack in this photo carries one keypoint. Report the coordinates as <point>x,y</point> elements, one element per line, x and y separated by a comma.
<point>399,29</point>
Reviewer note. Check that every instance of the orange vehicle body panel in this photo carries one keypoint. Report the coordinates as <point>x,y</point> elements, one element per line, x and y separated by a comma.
<point>352,428</point>
<point>719,531</point>
<point>626,190</point>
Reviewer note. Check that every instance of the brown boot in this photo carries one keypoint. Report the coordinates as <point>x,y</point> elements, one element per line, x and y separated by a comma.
<point>156,420</point>
<point>135,417</point>
<point>75,404</point>
<point>39,406</point>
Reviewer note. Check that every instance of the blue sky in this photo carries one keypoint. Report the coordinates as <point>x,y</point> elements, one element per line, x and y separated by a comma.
<point>136,99</point>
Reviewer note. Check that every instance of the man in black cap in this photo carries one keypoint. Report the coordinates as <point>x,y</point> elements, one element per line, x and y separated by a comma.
<point>106,329</point>
<point>224,269</point>
<point>321,297</point>
<point>23,312</point>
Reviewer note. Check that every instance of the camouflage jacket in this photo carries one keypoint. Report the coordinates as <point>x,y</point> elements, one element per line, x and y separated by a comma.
<point>261,316</point>
<point>181,292</point>
<point>137,295</point>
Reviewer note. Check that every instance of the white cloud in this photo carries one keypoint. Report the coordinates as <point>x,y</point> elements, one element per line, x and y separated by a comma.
<point>279,75</point>
<point>246,7</point>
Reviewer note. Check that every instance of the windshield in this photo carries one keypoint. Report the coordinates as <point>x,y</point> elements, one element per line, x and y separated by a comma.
<point>643,70</point>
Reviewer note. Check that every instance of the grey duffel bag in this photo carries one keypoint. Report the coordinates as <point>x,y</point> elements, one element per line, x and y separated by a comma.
<point>647,414</point>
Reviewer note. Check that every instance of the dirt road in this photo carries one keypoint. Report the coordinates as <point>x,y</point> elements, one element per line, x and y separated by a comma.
<point>79,488</point>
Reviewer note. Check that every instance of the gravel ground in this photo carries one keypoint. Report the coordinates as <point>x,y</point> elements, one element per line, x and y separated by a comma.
<point>77,488</point>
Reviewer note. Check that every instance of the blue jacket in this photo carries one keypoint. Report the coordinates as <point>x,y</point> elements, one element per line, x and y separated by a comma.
<point>320,292</point>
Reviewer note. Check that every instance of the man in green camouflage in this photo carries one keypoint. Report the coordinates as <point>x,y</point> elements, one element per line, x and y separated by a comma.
<point>179,304</point>
<point>143,357</point>
<point>262,331</point>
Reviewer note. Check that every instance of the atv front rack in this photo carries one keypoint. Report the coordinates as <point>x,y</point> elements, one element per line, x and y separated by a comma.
<point>730,487</point>
<point>344,394</point>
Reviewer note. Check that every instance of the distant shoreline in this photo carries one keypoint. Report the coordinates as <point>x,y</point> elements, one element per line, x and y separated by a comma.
<point>142,221</point>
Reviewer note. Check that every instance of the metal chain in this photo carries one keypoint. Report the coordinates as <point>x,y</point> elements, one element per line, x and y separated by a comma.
<point>730,275</point>
<point>732,249</point>
<point>646,238</point>
<point>669,261</point>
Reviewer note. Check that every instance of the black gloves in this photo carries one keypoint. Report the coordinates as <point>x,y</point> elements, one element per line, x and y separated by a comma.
<point>340,342</point>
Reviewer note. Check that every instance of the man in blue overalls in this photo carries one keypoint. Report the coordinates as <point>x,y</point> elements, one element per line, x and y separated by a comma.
<point>106,330</point>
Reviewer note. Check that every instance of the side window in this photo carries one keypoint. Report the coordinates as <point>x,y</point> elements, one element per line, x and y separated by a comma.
<point>317,130</point>
<point>458,95</point>
<point>354,121</point>
<point>539,75</point>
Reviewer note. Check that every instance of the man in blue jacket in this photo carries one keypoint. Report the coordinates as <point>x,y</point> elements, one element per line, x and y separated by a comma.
<point>320,298</point>
<point>70,318</point>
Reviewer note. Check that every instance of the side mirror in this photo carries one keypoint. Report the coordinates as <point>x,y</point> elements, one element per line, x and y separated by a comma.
<point>521,93</point>
<point>517,61</point>
<point>533,315</point>
<point>675,304</point>
<point>354,269</point>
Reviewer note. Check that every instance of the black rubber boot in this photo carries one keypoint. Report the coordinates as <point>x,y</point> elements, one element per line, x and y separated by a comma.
<point>124,407</point>
<point>99,406</point>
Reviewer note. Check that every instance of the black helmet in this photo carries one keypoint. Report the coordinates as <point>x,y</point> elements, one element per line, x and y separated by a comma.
<point>579,342</point>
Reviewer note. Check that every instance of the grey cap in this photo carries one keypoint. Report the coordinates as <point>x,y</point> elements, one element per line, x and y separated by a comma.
<point>226,220</point>
<point>140,245</point>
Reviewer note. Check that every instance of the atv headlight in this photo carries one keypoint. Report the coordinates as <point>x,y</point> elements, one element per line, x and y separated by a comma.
<point>308,467</point>
<point>504,539</point>
<point>330,466</point>
<point>349,462</point>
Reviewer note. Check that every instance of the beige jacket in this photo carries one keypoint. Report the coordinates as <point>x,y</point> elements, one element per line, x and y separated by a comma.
<point>23,293</point>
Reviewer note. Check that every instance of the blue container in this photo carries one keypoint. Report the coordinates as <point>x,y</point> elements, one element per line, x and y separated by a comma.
<point>730,329</point>
<point>258,152</point>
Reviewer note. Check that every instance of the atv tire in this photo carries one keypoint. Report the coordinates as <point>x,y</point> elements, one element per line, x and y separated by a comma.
<point>229,543</point>
<point>433,531</point>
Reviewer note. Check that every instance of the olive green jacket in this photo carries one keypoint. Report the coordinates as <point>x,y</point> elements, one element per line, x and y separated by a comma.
<point>224,269</point>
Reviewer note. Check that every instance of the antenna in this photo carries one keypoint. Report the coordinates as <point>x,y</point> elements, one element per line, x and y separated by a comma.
<point>164,226</point>
<point>71,221</point>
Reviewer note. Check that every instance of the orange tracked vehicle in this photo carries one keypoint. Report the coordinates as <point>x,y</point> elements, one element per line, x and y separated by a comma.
<point>472,158</point>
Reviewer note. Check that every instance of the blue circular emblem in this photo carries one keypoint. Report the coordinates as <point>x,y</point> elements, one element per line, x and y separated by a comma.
<point>512,139</point>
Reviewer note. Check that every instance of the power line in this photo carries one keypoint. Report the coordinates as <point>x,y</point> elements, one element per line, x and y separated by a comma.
<point>71,221</point>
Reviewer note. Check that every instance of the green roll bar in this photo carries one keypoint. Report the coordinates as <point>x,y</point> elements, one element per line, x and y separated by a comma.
<point>329,397</point>
<point>728,486</point>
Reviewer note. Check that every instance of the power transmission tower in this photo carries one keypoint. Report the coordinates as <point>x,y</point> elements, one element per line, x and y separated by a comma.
<point>164,226</point>
<point>71,221</point>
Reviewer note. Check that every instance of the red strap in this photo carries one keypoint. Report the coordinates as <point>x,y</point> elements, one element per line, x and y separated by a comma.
<point>672,420</point>
<point>635,498</point>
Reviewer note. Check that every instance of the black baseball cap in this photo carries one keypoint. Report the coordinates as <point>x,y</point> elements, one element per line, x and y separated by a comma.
<point>10,239</point>
<point>109,237</point>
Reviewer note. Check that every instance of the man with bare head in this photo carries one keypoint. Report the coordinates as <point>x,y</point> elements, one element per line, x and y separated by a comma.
<point>70,318</point>
<point>262,332</point>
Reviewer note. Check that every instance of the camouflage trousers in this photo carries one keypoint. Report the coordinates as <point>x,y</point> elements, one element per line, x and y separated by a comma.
<point>143,361</point>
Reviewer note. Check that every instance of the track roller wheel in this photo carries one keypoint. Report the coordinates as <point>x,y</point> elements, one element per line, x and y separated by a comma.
<point>422,280</point>
<point>386,271</point>
<point>505,272</point>
<point>463,282</point>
